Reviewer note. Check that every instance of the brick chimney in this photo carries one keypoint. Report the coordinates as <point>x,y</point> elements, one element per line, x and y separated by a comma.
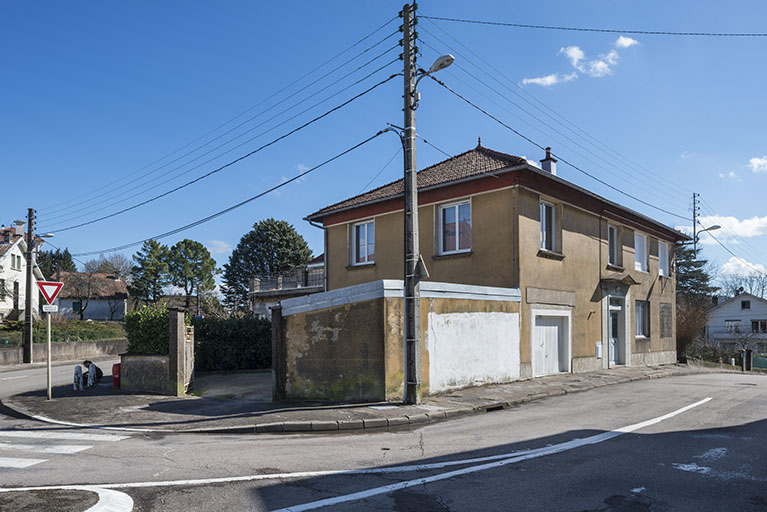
<point>549,164</point>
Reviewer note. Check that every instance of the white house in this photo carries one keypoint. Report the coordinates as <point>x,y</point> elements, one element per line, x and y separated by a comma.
<point>13,276</point>
<point>740,320</point>
<point>97,296</point>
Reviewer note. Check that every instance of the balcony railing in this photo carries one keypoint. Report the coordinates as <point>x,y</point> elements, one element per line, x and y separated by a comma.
<point>294,279</point>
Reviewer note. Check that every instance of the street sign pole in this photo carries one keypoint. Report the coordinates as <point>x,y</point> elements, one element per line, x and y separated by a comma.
<point>49,290</point>
<point>49,356</point>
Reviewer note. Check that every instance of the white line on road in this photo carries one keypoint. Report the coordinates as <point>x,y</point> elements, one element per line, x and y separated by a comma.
<point>73,436</point>
<point>110,501</point>
<point>18,463</point>
<point>507,458</point>
<point>12,378</point>
<point>56,448</point>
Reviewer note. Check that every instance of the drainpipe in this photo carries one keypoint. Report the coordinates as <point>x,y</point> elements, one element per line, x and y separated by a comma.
<point>325,254</point>
<point>602,288</point>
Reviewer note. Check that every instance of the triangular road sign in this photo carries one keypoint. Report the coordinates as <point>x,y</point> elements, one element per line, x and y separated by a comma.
<point>49,289</point>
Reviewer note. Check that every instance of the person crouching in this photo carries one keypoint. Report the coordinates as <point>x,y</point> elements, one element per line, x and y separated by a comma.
<point>90,376</point>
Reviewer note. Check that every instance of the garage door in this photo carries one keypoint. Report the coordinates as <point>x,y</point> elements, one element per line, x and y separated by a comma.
<point>549,351</point>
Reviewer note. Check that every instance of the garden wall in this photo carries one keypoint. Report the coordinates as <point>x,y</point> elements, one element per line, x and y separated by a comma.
<point>74,350</point>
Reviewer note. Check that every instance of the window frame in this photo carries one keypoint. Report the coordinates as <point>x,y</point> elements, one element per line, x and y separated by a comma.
<point>441,228</point>
<point>643,330</point>
<point>355,245</point>
<point>645,263</point>
<point>664,261</point>
<point>3,295</point>
<point>615,248</point>
<point>732,326</point>
<point>745,304</point>
<point>758,326</point>
<point>544,226</point>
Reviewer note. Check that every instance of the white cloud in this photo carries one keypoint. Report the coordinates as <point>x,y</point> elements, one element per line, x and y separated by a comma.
<point>740,267</point>
<point>219,247</point>
<point>575,54</point>
<point>599,68</point>
<point>302,168</point>
<point>549,80</point>
<point>684,155</point>
<point>746,228</point>
<point>625,42</point>
<point>731,175</point>
<point>758,164</point>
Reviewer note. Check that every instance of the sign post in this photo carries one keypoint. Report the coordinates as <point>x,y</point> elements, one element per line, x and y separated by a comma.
<point>50,290</point>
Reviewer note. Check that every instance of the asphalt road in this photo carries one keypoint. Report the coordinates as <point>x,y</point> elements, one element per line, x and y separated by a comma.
<point>703,449</point>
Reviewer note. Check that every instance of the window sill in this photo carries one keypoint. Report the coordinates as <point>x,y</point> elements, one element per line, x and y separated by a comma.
<point>615,268</point>
<point>642,338</point>
<point>451,255</point>
<point>361,265</point>
<point>551,255</point>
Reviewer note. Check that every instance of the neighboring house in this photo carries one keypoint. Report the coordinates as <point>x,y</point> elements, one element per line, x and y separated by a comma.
<point>13,276</point>
<point>596,278</point>
<point>740,321</point>
<point>267,291</point>
<point>97,296</point>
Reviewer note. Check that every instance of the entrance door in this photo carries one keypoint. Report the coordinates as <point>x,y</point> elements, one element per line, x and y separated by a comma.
<point>614,337</point>
<point>548,345</point>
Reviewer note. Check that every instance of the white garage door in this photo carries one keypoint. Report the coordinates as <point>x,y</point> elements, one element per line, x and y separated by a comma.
<point>549,350</point>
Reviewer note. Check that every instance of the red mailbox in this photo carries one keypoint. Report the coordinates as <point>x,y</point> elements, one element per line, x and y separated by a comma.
<point>116,375</point>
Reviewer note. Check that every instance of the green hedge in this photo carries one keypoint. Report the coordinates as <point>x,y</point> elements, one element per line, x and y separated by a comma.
<point>236,343</point>
<point>147,330</point>
<point>62,330</point>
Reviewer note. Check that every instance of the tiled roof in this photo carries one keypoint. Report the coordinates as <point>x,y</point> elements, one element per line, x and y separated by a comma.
<point>4,248</point>
<point>479,160</point>
<point>103,287</point>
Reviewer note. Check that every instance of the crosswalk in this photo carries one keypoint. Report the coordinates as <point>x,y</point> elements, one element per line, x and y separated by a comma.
<point>22,448</point>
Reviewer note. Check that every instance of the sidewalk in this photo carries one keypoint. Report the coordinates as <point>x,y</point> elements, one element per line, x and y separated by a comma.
<point>241,403</point>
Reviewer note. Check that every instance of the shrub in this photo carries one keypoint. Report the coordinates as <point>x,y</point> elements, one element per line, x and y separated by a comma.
<point>147,330</point>
<point>235,343</point>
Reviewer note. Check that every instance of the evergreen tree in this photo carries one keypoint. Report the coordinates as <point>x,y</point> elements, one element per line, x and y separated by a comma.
<point>51,262</point>
<point>693,292</point>
<point>191,267</point>
<point>149,275</point>
<point>272,246</point>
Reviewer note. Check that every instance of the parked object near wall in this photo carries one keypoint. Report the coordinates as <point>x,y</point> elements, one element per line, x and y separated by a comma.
<point>347,344</point>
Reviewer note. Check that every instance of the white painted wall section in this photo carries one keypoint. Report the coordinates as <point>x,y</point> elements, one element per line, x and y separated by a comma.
<point>467,349</point>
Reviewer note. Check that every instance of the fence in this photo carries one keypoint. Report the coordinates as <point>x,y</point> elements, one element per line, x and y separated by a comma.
<point>298,278</point>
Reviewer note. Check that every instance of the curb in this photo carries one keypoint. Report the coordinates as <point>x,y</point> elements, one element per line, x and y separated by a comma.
<point>362,425</point>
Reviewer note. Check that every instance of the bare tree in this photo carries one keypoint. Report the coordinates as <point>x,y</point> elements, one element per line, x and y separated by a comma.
<point>734,284</point>
<point>82,287</point>
<point>114,303</point>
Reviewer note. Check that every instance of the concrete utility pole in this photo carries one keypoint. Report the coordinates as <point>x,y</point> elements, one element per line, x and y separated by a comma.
<point>695,224</point>
<point>28,348</point>
<point>412,252</point>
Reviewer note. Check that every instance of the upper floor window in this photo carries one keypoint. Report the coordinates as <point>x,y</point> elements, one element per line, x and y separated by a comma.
<point>548,227</point>
<point>364,243</point>
<point>745,304</point>
<point>613,245</point>
<point>732,326</point>
<point>15,262</point>
<point>640,252</point>
<point>642,315</point>
<point>455,228</point>
<point>759,326</point>
<point>663,258</point>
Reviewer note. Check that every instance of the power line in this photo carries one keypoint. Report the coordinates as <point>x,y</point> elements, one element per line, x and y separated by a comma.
<point>528,139</point>
<point>103,200</point>
<point>233,207</point>
<point>572,126</point>
<point>379,172</point>
<point>608,30</point>
<point>110,199</point>
<point>736,256</point>
<point>363,93</point>
<point>435,147</point>
<point>752,251</point>
<point>279,91</point>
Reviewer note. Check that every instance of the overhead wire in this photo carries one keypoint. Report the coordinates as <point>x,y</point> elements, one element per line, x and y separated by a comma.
<point>381,171</point>
<point>745,245</point>
<point>739,258</point>
<point>559,157</point>
<point>276,93</point>
<point>229,164</point>
<point>607,30</point>
<point>235,206</point>
<point>542,107</point>
<point>110,200</point>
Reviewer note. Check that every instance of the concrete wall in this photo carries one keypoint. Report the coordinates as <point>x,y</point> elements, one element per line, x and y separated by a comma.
<point>145,374</point>
<point>348,344</point>
<point>66,351</point>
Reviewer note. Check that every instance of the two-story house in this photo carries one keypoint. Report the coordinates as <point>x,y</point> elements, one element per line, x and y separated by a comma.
<point>740,321</point>
<point>13,276</point>
<point>596,278</point>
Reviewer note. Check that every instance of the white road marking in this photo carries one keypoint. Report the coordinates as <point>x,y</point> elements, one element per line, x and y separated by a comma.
<point>56,448</point>
<point>503,459</point>
<point>99,427</point>
<point>18,463</point>
<point>12,378</point>
<point>638,490</point>
<point>73,436</point>
<point>110,501</point>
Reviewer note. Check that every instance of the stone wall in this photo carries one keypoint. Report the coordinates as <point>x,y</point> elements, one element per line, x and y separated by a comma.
<point>79,350</point>
<point>145,374</point>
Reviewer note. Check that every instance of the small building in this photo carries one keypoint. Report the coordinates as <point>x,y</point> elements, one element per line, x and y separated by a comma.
<point>740,322</point>
<point>266,291</point>
<point>13,276</point>
<point>92,296</point>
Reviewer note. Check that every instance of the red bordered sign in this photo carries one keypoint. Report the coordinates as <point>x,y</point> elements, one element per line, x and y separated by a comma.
<point>50,289</point>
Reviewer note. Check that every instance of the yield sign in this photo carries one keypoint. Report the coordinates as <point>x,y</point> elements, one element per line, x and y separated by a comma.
<point>49,289</point>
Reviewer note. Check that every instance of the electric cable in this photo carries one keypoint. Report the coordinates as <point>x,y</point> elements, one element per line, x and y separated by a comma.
<point>379,172</point>
<point>229,164</point>
<point>235,206</point>
<point>608,30</point>
<point>736,256</point>
<point>528,139</point>
<point>276,93</point>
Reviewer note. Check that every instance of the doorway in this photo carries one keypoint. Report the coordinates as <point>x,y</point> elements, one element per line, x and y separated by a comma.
<point>616,331</point>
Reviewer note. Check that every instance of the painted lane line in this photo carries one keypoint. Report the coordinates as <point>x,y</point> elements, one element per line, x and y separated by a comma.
<point>513,456</point>
<point>110,501</point>
<point>13,378</point>
<point>56,435</point>
<point>99,427</point>
<point>67,449</point>
<point>19,463</point>
<point>550,450</point>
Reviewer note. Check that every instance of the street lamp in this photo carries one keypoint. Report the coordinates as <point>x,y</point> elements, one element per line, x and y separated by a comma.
<point>696,235</point>
<point>413,266</point>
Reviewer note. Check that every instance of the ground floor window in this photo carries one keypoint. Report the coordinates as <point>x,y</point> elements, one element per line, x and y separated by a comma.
<point>758,326</point>
<point>642,316</point>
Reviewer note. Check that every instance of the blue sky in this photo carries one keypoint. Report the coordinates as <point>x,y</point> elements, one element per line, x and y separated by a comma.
<point>97,94</point>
